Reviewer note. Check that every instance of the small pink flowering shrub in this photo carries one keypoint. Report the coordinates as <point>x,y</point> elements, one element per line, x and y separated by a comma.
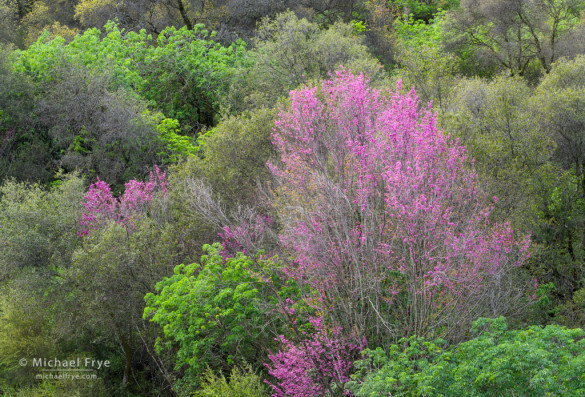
<point>318,365</point>
<point>101,206</point>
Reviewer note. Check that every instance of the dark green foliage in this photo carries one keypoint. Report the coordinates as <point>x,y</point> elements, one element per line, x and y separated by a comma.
<point>67,116</point>
<point>109,277</point>
<point>558,102</point>
<point>378,21</point>
<point>182,72</point>
<point>560,98</point>
<point>22,155</point>
<point>424,10</point>
<point>86,104</point>
<point>100,132</point>
<point>186,72</point>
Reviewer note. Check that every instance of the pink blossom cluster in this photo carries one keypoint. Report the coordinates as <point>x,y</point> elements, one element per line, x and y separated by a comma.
<point>101,206</point>
<point>319,363</point>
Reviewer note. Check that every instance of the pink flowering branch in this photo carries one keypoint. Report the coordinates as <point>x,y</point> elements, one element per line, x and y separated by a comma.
<point>101,206</point>
<point>318,365</point>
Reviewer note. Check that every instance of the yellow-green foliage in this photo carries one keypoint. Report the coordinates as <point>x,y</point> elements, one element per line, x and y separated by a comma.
<point>232,158</point>
<point>95,12</point>
<point>242,382</point>
<point>236,151</point>
<point>178,146</point>
<point>24,330</point>
<point>63,388</point>
<point>39,225</point>
<point>496,122</point>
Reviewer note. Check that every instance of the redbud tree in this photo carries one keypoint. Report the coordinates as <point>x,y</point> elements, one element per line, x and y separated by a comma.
<point>101,206</point>
<point>384,217</point>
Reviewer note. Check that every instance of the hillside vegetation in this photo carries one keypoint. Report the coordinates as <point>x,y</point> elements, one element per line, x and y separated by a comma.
<point>292,198</point>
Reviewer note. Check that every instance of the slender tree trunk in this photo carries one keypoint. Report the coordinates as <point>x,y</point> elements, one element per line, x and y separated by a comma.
<point>184,15</point>
<point>128,354</point>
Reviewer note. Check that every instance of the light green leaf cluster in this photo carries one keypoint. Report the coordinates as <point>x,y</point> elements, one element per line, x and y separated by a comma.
<point>118,52</point>
<point>536,361</point>
<point>416,33</point>
<point>178,146</point>
<point>183,72</point>
<point>210,312</point>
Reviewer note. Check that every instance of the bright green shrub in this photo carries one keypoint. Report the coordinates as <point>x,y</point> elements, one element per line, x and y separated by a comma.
<point>177,146</point>
<point>536,361</point>
<point>182,73</point>
<point>215,314</point>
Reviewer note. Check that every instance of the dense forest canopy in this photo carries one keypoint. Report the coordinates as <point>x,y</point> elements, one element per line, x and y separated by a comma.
<point>292,198</point>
